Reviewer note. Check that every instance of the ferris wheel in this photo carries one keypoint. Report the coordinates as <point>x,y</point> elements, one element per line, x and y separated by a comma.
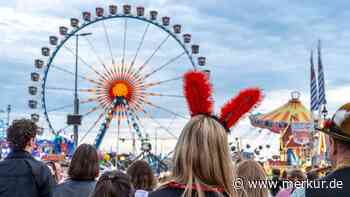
<point>120,69</point>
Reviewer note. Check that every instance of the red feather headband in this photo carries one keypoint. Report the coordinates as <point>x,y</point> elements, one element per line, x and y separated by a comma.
<point>198,93</point>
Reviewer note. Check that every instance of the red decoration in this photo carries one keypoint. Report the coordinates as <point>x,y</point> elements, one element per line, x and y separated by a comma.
<point>235,108</point>
<point>198,93</point>
<point>327,124</point>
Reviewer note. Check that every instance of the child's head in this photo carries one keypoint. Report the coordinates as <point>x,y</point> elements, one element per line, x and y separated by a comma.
<point>113,184</point>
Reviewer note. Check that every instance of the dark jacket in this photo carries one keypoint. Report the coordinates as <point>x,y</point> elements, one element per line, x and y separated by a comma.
<point>341,175</point>
<point>276,188</point>
<point>21,176</point>
<point>71,188</point>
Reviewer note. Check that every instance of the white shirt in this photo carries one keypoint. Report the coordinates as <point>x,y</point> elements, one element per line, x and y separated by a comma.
<point>141,193</point>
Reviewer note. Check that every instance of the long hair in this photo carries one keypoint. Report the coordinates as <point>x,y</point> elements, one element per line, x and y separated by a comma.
<point>52,165</point>
<point>84,164</point>
<point>250,170</point>
<point>141,175</point>
<point>202,156</point>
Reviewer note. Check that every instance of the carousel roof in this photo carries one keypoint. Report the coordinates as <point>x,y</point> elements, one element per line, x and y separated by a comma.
<point>280,118</point>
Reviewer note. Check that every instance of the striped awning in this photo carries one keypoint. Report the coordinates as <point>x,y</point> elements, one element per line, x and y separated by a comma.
<point>282,117</point>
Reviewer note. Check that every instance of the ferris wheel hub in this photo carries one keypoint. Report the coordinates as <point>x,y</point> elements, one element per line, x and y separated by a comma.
<point>120,81</point>
<point>120,89</point>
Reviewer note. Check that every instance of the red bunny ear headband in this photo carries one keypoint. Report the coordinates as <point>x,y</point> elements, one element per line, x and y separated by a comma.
<point>198,93</point>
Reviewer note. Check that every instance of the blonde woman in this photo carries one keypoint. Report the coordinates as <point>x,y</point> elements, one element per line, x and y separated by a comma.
<point>250,170</point>
<point>202,161</point>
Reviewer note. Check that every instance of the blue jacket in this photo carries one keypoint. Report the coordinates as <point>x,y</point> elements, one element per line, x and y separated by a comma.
<point>22,176</point>
<point>72,188</point>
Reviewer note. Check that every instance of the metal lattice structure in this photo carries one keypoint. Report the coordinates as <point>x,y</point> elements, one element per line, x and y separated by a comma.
<point>2,129</point>
<point>119,87</point>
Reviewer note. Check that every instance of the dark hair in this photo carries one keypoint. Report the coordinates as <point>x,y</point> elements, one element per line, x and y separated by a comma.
<point>141,175</point>
<point>297,174</point>
<point>113,184</point>
<point>20,133</point>
<point>312,175</point>
<point>276,172</point>
<point>284,175</point>
<point>84,164</point>
<point>52,164</point>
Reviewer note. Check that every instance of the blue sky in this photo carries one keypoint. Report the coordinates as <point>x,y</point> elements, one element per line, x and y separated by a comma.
<point>264,43</point>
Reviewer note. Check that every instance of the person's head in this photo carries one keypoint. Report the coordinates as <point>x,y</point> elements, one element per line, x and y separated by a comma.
<point>338,150</point>
<point>141,175</point>
<point>284,175</point>
<point>296,175</point>
<point>84,164</point>
<point>338,134</point>
<point>276,173</point>
<point>312,175</point>
<point>250,170</point>
<point>113,184</point>
<point>56,170</point>
<point>21,135</point>
<point>202,155</point>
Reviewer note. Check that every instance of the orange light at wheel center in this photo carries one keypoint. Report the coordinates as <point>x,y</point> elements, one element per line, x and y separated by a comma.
<point>120,89</point>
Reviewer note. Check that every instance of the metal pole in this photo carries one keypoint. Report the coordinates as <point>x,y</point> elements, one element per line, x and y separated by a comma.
<point>156,142</point>
<point>156,149</point>
<point>118,140</point>
<point>134,143</point>
<point>76,99</point>
<point>8,115</point>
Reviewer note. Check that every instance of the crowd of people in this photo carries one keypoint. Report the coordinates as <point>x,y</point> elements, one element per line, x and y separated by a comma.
<point>202,166</point>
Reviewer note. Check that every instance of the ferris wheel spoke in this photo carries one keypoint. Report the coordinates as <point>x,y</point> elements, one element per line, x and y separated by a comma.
<point>66,127</point>
<point>124,41</point>
<point>137,106</point>
<point>71,105</point>
<point>108,42</point>
<point>149,116</point>
<point>165,109</point>
<point>162,95</point>
<point>91,67</point>
<point>92,126</point>
<point>148,85</point>
<point>164,65</point>
<point>92,110</point>
<point>104,100</point>
<point>62,129</point>
<point>70,89</point>
<point>71,73</point>
<point>138,118</point>
<point>129,123</point>
<point>152,55</point>
<point>171,122</point>
<point>139,47</point>
<point>93,49</point>
<point>120,69</point>
<point>118,119</point>
<point>60,108</point>
<point>130,118</point>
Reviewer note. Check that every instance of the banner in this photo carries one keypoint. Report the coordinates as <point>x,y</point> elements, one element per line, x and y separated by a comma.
<point>301,132</point>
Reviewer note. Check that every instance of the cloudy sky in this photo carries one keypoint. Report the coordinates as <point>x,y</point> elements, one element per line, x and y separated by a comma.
<point>264,43</point>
